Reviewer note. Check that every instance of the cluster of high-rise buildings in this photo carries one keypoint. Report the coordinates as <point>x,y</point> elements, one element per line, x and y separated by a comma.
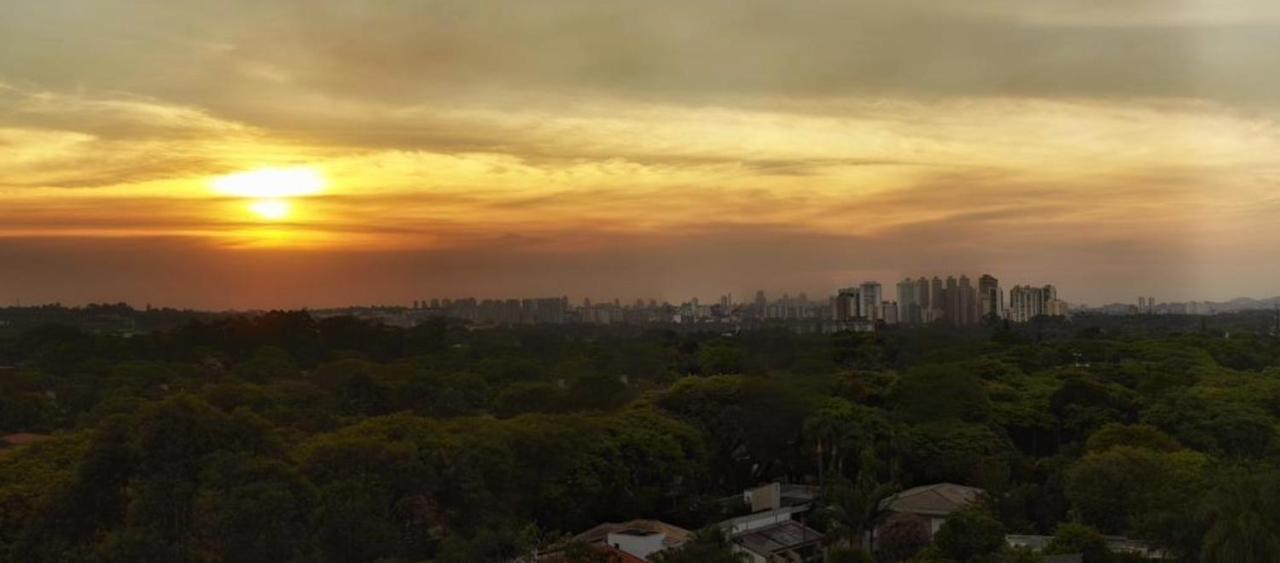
<point>956,301</point>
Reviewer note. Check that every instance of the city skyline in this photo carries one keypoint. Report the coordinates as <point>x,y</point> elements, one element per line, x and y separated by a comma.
<point>990,297</point>
<point>223,155</point>
<point>1140,302</point>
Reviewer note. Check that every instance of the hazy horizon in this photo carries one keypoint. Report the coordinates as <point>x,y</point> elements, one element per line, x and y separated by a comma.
<point>662,150</point>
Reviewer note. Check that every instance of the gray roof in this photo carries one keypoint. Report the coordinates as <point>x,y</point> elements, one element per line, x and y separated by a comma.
<point>675,535</point>
<point>932,500</point>
<point>780,537</point>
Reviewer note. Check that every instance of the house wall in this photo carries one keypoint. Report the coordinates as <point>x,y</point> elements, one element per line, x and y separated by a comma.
<point>761,520</point>
<point>752,557</point>
<point>935,524</point>
<point>639,546</point>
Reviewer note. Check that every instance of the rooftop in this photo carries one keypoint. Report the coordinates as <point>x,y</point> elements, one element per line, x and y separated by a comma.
<point>932,500</point>
<point>675,535</point>
<point>610,555</point>
<point>23,438</point>
<point>786,536</point>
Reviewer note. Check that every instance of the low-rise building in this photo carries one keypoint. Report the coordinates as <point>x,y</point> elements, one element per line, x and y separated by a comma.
<point>637,538</point>
<point>770,533</point>
<point>788,541</point>
<point>931,502</point>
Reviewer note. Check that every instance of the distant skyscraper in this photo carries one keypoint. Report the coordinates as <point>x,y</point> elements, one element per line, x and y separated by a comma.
<point>889,310</point>
<point>966,303</point>
<point>871,296</point>
<point>1027,302</point>
<point>951,301</point>
<point>937,300</point>
<point>909,302</point>
<point>991,297</point>
<point>848,305</point>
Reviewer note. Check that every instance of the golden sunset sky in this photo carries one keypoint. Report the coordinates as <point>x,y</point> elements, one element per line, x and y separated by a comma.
<point>281,154</point>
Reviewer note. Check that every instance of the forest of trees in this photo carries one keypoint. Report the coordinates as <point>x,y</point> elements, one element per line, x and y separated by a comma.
<point>279,437</point>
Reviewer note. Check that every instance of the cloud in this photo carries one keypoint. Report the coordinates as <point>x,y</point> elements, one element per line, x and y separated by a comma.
<point>251,61</point>
<point>664,147</point>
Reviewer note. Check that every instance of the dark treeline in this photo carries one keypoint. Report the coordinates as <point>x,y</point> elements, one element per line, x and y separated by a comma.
<point>278,437</point>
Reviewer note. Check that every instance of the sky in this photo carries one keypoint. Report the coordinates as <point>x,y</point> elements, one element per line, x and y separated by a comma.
<point>250,154</point>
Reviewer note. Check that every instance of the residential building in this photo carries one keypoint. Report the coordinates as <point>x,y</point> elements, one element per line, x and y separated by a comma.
<point>911,301</point>
<point>889,312</point>
<point>937,300</point>
<point>770,533</point>
<point>637,538</point>
<point>1027,302</point>
<point>871,299</point>
<point>788,541</point>
<point>961,301</point>
<point>933,503</point>
<point>848,305</point>
<point>990,297</point>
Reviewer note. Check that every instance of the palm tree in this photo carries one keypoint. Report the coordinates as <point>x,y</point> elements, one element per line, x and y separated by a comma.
<point>852,508</point>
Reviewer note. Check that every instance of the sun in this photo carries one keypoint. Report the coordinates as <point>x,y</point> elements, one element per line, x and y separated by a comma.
<point>270,190</point>
<point>271,209</point>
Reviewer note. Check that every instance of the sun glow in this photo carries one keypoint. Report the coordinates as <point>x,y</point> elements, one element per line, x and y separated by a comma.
<point>271,209</point>
<point>271,183</point>
<point>270,190</point>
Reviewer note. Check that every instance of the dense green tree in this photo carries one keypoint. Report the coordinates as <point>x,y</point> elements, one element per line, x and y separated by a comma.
<point>1083,405</point>
<point>721,358</point>
<point>1244,515</point>
<point>840,431</point>
<point>270,436</point>
<point>1135,436</point>
<point>252,509</point>
<point>959,453</point>
<point>266,364</point>
<point>940,394</point>
<point>971,534</point>
<point>529,397</point>
<point>901,537</point>
<point>1078,538</point>
<point>1126,490</point>
<point>597,392</point>
<point>1219,427</point>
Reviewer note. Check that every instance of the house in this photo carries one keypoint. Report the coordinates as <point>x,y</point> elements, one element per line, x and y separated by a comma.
<point>22,439</point>
<point>770,505</point>
<point>1117,544</point>
<point>776,495</point>
<point>770,533</point>
<point>933,503</point>
<point>608,555</point>
<point>7,443</point>
<point>638,538</point>
<point>786,542</point>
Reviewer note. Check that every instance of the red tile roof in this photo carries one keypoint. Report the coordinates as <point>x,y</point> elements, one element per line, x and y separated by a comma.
<point>24,438</point>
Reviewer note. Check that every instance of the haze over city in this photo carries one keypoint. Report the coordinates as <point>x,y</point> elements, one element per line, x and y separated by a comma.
<point>253,155</point>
